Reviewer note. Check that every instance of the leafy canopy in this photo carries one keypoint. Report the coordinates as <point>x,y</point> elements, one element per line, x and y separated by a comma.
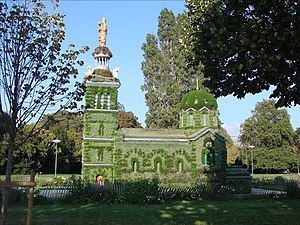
<point>248,46</point>
<point>270,131</point>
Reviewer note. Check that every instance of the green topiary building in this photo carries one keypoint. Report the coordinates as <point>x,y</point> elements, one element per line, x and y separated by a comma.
<point>177,157</point>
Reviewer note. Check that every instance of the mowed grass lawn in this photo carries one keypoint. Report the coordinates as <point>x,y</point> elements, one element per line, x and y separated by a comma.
<point>267,211</point>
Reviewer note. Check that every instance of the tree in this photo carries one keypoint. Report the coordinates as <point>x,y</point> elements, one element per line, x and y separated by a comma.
<point>248,46</point>
<point>4,118</point>
<point>296,148</point>
<point>270,131</point>
<point>166,73</point>
<point>128,120</point>
<point>68,128</point>
<point>232,149</point>
<point>35,73</point>
<point>32,155</point>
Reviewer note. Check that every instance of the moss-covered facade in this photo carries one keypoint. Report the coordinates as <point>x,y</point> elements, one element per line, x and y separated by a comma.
<point>177,157</point>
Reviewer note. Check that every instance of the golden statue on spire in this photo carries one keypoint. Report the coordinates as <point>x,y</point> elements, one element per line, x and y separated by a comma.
<point>102,32</point>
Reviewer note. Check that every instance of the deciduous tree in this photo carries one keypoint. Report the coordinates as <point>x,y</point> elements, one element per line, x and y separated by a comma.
<point>35,72</point>
<point>270,131</point>
<point>128,120</point>
<point>32,155</point>
<point>68,128</point>
<point>296,148</point>
<point>248,46</point>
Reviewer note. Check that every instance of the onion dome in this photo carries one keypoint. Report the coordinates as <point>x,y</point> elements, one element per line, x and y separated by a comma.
<point>198,99</point>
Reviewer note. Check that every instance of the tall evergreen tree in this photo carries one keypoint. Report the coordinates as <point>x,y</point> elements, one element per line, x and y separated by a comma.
<point>270,131</point>
<point>166,73</point>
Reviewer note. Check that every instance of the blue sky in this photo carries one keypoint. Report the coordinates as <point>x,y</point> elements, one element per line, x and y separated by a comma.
<point>128,23</point>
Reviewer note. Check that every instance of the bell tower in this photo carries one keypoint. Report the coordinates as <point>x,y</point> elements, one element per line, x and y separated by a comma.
<point>101,113</point>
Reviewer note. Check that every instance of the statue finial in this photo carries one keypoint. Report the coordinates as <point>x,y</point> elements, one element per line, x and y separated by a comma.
<point>102,32</point>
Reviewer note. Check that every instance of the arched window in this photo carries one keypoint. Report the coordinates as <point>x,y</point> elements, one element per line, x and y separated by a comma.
<point>100,154</point>
<point>211,159</point>
<point>101,129</point>
<point>204,159</point>
<point>101,101</point>
<point>134,166</point>
<point>157,167</point>
<point>95,101</point>
<point>108,101</point>
<point>204,120</point>
<point>191,119</point>
<point>180,167</point>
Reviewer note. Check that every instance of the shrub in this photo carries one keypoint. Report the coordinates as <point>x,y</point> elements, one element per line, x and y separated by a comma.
<point>16,195</point>
<point>85,192</point>
<point>141,191</point>
<point>279,180</point>
<point>292,189</point>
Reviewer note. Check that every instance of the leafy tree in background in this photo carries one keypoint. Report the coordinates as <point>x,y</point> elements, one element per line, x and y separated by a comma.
<point>167,76</point>
<point>270,131</point>
<point>248,46</point>
<point>296,148</point>
<point>68,128</point>
<point>128,120</point>
<point>232,149</point>
<point>35,73</point>
<point>4,119</point>
<point>32,154</point>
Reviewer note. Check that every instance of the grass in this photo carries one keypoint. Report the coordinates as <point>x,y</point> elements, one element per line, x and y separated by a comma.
<point>272,176</point>
<point>267,211</point>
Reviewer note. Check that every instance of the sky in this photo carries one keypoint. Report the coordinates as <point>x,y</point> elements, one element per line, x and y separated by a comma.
<point>128,23</point>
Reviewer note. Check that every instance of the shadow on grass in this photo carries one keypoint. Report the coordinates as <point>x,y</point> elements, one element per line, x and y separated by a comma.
<point>179,212</point>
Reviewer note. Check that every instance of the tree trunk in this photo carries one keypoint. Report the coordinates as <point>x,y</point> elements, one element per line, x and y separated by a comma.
<point>5,198</point>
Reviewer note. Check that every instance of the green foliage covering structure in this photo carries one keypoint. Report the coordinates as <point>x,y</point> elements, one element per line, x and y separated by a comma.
<point>100,123</point>
<point>174,157</point>
<point>92,91</point>
<point>197,100</point>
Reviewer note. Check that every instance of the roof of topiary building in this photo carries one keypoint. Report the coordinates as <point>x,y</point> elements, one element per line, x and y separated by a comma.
<point>197,100</point>
<point>174,135</point>
<point>102,50</point>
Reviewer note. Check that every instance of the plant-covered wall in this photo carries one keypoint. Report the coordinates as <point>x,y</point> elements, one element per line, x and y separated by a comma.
<point>199,119</point>
<point>94,94</point>
<point>89,173</point>
<point>173,163</point>
<point>107,152</point>
<point>100,124</point>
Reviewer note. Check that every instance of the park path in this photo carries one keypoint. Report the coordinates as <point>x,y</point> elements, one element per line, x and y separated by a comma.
<point>61,192</point>
<point>261,191</point>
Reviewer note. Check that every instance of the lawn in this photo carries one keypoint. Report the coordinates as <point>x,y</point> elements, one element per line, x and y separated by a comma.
<point>267,211</point>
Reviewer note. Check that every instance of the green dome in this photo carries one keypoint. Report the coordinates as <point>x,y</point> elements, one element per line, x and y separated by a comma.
<point>197,100</point>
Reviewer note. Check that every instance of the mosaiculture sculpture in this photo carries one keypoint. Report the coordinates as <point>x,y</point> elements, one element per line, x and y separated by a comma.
<point>174,156</point>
